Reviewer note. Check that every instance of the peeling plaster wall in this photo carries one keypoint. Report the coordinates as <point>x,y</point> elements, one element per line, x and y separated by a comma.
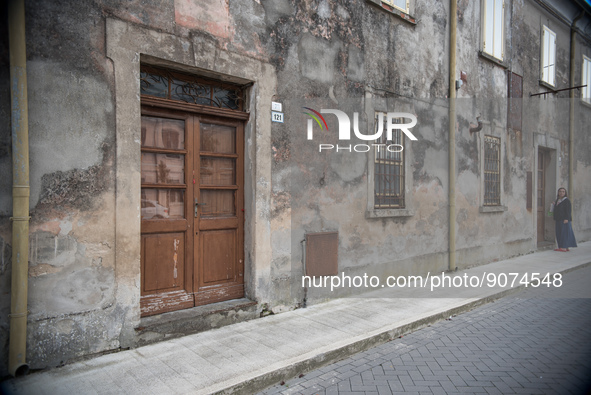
<point>339,55</point>
<point>83,65</point>
<point>71,294</point>
<point>485,236</point>
<point>546,119</point>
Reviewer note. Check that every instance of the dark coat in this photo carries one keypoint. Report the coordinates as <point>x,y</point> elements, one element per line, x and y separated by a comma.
<point>562,211</point>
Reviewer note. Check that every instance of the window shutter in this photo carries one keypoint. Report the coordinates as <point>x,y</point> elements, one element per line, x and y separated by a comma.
<point>498,29</point>
<point>489,14</point>
<point>545,48</point>
<point>548,72</point>
<point>586,80</point>
<point>552,59</point>
<point>515,101</point>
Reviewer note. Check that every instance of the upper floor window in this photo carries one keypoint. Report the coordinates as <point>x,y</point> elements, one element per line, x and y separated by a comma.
<point>586,80</point>
<point>493,22</point>
<point>548,56</point>
<point>400,4</point>
<point>389,168</point>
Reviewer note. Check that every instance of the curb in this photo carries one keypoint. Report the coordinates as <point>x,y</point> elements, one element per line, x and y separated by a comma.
<point>292,370</point>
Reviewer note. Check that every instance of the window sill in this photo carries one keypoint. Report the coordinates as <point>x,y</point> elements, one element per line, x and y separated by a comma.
<point>387,213</point>
<point>491,58</point>
<point>586,103</point>
<point>492,209</point>
<point>394,11</point>
<point>547,86</point>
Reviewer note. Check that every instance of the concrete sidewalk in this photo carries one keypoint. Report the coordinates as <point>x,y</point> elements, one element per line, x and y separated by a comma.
<point>250,356</point>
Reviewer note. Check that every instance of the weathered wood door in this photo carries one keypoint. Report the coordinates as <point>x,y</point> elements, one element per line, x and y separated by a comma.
<point>218,210</point>
<point>192,215</point>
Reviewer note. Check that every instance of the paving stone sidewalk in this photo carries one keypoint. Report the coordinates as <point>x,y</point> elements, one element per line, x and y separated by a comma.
<point>535,342</point>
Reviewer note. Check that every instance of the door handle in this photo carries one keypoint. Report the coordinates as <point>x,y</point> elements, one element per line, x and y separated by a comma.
<point>197,204</point>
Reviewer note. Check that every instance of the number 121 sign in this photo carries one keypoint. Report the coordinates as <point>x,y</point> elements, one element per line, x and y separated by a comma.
<point>277,116</point>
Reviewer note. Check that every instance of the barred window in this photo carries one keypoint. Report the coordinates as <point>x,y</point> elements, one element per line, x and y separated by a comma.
<point>389,168</point>
<point>492,171</point>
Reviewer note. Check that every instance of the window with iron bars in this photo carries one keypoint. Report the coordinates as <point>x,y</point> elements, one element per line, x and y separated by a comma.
<point>492,171</point>
<point>389,169</point>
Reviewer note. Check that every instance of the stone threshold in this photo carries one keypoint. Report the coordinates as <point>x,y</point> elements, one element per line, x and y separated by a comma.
<point>180,323</point>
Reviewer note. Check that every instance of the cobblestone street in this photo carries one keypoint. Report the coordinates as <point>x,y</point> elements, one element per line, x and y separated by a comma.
<point>537,341</point>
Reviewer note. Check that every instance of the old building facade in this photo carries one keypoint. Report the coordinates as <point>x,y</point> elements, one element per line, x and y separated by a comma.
<point>159,180</point>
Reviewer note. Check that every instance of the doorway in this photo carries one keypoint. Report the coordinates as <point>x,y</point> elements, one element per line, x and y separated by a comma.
<point>545,194</point>
<point>192,217</point>
<point>541,195</point>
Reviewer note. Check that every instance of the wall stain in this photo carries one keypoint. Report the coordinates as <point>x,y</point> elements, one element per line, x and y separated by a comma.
<point>77,187</point>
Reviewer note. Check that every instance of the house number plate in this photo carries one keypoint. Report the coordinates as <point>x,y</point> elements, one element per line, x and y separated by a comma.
<point>277,116</point>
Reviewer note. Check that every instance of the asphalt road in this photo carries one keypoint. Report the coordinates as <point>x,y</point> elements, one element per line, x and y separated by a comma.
<point>537,341</point>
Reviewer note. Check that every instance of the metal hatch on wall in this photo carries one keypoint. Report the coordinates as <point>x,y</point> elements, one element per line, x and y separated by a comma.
<point>192,192</point>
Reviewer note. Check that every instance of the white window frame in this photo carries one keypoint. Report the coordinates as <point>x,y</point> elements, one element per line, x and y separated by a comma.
<point>493,28</point>
<point>548,59</point>
<point>586,80</point>
<point>397,4</point>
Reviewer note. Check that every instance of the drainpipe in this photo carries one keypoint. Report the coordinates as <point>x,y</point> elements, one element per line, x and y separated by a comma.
<point>453,15</point>
<point>17,347</point>
<point>571,138</point>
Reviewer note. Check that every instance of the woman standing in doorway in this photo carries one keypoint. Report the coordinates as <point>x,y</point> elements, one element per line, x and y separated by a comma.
<point>562,216</point>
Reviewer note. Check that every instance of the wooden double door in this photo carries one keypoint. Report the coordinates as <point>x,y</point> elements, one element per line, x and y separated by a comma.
<point>192,217</point>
